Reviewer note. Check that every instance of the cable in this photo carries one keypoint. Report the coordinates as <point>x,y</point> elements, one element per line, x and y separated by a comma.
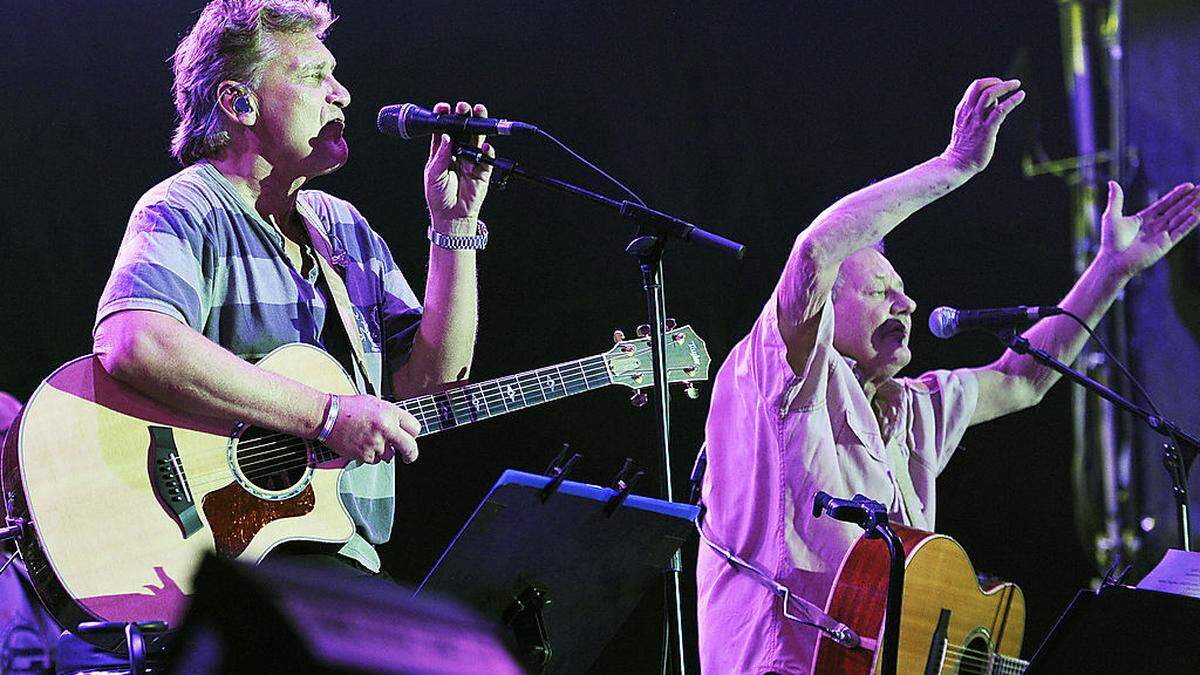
<point>593,167</point>
<point>1115,360</point>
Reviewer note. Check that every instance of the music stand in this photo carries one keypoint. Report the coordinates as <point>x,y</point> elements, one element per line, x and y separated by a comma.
<point>1122,630</point>
<point>561,563</point>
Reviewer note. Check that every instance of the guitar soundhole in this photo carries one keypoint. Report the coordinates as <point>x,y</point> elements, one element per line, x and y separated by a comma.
<point>271,461</point>
<point>975,657</point>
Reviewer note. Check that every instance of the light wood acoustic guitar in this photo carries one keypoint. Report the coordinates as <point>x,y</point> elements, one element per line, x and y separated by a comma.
<point>949,623</point>
<point>122,496</point>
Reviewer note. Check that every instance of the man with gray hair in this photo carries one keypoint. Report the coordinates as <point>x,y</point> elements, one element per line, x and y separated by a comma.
<point>810,399</point>
<point>232,257</point>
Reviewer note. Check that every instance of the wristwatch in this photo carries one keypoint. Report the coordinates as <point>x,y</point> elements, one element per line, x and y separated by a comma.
<point>454,242</point>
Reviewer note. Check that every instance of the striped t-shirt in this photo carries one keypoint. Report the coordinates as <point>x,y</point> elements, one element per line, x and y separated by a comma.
<point>193,250</point>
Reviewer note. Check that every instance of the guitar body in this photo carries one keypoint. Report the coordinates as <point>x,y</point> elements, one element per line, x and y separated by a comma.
<point>123,496</point>
<point>948,622</point>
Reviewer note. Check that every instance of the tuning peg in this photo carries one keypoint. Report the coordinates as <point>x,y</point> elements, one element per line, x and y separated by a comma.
<point>618,336</point>
<point>691,391</point>
<point>671,324</point>
<point>643,330</point>
<point>639,398</point>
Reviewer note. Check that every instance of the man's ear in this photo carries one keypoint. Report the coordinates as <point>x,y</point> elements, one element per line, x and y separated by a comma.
<point>237,103</point>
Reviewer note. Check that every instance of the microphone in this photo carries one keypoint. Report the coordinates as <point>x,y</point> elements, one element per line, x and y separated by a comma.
<point>945,322</point>
<point>409,120</point>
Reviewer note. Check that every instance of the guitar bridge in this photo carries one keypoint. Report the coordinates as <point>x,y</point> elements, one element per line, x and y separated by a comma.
<point>170,481</point>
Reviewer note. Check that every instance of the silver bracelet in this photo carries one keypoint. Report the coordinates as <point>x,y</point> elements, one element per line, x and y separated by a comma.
<point>455,242</point>
<point>331,414</point>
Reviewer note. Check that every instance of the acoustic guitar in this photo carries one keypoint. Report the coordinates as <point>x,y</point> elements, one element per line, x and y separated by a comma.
<point>121,496</point>
<point>949,623</point>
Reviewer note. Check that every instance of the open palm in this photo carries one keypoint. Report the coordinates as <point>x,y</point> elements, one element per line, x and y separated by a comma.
<point>1138,241</point>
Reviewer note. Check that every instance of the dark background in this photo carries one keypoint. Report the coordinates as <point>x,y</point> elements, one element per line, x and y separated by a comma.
<point>748,118</point>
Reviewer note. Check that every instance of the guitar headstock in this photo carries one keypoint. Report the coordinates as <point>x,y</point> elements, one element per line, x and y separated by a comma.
<point>629,362</point>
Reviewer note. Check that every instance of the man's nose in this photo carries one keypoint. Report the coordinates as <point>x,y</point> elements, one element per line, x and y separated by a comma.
<point>338,95</point>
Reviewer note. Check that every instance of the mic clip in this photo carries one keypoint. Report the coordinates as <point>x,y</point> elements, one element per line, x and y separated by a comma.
<point>501,168</point>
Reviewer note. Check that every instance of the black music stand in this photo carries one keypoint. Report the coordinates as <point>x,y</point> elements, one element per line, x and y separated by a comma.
<point>1122,630</point>
<point>562,564</point>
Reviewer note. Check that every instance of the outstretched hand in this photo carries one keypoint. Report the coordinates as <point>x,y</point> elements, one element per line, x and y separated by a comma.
<point>1133,243</point>
<point>456,188</point>
<point>977,120</point>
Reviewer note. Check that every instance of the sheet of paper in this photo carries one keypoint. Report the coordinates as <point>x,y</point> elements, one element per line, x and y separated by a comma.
<point>1179,573</point>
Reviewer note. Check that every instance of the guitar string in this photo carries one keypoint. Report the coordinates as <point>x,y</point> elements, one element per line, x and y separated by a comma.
<point>257,469</point>
<point>269,448</point>
<point>426,407</point>
<point>956,654</point>
<point>426,404</point>
<point>462,398</point>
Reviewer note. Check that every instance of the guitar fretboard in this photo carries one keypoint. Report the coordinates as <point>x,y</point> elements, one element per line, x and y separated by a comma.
<point>474,402</point>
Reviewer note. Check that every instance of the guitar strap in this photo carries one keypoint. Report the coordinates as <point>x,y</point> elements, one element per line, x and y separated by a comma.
<point>339,297</point>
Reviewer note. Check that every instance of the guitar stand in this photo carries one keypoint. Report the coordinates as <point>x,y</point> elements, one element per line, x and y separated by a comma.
<point>872,517</point>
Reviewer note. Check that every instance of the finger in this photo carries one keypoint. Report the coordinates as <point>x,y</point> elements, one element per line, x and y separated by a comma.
<point>1116,200</point>
<point>479,110</point>
<point>1186,202</point>
<point>1165,202</point>
<point>971,97</point>
<point>485,170</point>
<point>389,451</point>
<point>439,108</point>
<point>994,93</point>
<point>1186,224</point>
<point>439,163</point>
<point>1006,106</point>
<point>1185,217</point>
<point>407,422</point>
<point>404,445</point>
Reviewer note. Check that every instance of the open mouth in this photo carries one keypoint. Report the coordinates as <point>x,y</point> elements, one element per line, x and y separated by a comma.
<point>895,329</point>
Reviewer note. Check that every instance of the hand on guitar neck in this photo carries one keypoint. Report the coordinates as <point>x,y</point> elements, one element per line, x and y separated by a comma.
<point>371,430</point>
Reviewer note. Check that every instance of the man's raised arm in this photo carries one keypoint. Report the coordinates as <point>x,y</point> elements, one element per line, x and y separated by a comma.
<point>864,217</point>
<point>1128,245</point>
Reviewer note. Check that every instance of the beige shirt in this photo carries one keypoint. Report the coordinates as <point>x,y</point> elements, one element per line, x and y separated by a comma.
<point>775,438</point>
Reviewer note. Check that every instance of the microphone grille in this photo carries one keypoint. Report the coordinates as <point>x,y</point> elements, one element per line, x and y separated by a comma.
<point>943,322</point>
<point>393,120</point>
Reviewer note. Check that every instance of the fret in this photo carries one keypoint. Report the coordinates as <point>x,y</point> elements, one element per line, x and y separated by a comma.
<point>531,386</point>
<point>583,374</point>
<point>475,402</point>
<point>510,389</point>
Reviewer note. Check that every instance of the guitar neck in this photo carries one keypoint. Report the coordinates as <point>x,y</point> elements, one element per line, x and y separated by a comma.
<point>474,402</point>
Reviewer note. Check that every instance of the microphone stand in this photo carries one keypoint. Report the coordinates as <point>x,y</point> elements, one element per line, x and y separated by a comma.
<point>1179,450</point>
<point>654,229</point>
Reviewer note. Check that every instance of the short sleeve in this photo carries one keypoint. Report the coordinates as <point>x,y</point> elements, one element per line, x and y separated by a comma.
<point>160,267</point>
<point>778,383</point>
<point>401,315</point>
<point>942,403</point>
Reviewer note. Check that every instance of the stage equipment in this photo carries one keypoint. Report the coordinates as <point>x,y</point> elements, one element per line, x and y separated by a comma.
<point>945,322</point>
<point>115,528</point>
<point>409,121</point>
<point>560,563</point>
<point>653,230</point>
<point>1122,630</point>
<point>280,618</point>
